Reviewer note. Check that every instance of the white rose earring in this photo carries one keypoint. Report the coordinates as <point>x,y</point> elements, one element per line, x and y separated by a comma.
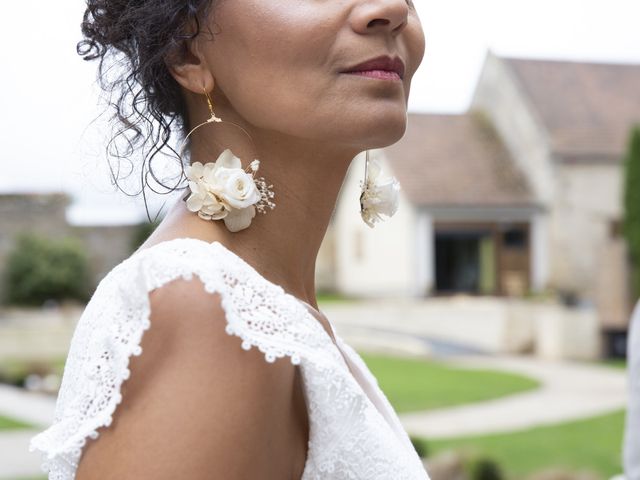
<point>379,194</point>
<point>222,189</point>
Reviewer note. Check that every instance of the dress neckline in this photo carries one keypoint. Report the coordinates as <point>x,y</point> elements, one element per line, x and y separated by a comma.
<point>301,302</point>
<point>254,271</point>
<point>366,390</point>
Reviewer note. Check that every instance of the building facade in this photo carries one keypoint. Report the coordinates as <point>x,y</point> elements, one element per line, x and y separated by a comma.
<point>520,195</point>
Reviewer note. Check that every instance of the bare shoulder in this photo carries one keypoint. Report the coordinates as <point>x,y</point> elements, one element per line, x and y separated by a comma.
<point>197,405</point>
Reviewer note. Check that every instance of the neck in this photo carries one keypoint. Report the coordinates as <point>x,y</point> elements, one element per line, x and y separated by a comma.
<point>282,244</point>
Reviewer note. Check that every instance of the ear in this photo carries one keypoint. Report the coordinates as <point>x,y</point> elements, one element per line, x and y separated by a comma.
<point>190,69</point>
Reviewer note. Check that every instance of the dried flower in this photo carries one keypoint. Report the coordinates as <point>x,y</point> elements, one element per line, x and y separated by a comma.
<point>222,190</point>
<point>379,195</point>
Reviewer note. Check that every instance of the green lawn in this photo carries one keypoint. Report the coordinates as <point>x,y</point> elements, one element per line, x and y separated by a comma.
<point>416,384</point>
<point>7,423</point>
<point>594,444</point>
<point>616,362</point>
<point>14,370</point>
<point>329,298</point>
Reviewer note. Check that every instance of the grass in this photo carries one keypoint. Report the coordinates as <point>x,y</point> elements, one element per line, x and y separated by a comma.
<point>333,298</point>
<point>14,371</point>
<point>594,444</point>
<point>7,423</point>
<point>620,363</point>
<point>28,478</point>
<point>417,384</point>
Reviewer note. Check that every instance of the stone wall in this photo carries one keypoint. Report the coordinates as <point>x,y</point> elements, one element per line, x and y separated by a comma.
<point>44,214</point>
<point>583,201</point>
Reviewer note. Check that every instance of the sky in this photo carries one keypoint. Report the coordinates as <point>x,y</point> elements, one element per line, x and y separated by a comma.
<point>52,140</point>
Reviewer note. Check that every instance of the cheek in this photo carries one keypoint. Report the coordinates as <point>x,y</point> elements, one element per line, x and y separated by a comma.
<point>415,45</point>
<point>267,64</point>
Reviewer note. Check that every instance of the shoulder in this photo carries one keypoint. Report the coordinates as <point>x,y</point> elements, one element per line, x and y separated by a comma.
<point>196,400</point>
<point>190,320</point>
<point>184,316</point>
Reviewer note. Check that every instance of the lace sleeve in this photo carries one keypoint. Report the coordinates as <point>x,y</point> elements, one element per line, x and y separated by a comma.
<point>113,323</point>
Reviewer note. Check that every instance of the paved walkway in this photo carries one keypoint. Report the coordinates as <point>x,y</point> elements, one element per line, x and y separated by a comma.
<point>569,391</point>
<point>15,459</point>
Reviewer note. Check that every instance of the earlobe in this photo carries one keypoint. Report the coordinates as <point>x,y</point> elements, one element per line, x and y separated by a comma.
<point>192,71</point>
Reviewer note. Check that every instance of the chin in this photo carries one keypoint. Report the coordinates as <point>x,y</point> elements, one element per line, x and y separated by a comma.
<point>383,130</point>
<point>361,128</point>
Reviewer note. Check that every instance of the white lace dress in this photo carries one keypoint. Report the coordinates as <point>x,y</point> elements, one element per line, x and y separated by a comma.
<point>354,433</point>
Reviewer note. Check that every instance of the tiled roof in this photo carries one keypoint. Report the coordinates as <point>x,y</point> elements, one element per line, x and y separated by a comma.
<point>587,108</point>
<point>456,160</point>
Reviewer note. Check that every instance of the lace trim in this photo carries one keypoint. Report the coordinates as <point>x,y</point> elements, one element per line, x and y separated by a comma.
<point>348,436</point>
<point>113,323</point>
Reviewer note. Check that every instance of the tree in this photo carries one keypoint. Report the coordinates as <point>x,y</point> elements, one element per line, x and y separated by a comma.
<point>631,222</point>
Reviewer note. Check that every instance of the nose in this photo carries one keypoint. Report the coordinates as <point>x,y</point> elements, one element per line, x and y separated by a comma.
<point>372,16</point>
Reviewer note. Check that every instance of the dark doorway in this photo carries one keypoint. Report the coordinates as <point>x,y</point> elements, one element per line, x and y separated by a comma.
<point>458,261</point>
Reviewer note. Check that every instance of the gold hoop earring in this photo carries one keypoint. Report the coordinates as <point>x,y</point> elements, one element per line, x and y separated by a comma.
<point>222,189</point>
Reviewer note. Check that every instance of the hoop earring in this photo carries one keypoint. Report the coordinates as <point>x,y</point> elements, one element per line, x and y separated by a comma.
<point>379,195</point>
<point>222,189</point>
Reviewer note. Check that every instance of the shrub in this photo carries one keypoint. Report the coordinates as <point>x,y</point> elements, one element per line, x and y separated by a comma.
<point>482,468</point>
<point>41,269</point>
<point>142,232</point>
<point>420,446</point>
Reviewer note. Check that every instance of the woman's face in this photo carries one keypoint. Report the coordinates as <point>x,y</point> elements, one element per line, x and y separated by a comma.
<point>280,65</point>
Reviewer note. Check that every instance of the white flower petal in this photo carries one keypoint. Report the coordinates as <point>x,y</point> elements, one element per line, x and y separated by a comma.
<point>229,160</point>
<point>195,187</point>
<point>216,211</point>
<point>194,202</point>
<point>194,171</point>
<point>239,219</point>
<point>209,174</point>
<point>210,200</point>
<point>379,198</point>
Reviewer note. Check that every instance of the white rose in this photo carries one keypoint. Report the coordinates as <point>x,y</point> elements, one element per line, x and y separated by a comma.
<point>223,190</point>
<point>236,187</point>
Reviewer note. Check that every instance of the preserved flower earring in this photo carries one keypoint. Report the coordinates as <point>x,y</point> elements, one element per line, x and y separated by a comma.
<point>379,194</point>
<point>223,190</point>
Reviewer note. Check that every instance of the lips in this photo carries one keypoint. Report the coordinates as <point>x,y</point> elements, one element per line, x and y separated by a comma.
<point>384,62</point>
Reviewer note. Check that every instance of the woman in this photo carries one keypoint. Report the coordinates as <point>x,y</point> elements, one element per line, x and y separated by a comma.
<point>189,398</point>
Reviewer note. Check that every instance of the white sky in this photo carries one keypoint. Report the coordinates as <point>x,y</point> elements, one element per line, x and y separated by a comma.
<point>48,97</point>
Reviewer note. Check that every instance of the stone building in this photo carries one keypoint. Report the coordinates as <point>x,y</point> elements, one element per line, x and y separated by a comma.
<point>521,194</point>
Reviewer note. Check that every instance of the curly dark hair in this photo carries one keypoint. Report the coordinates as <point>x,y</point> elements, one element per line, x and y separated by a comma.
<point>143,36</point>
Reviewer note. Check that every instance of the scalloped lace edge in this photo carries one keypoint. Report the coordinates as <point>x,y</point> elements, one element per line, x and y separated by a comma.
<point>74,445</point>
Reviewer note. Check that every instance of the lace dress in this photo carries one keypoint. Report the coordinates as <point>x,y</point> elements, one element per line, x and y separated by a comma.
<point>354,433</point>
